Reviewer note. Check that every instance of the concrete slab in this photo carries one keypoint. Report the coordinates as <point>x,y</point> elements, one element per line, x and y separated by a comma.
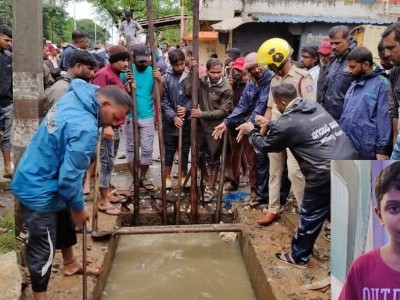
<point>10,276</point>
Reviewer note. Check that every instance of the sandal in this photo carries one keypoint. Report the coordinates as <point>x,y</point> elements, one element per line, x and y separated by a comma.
<point>146,185</point>
<point>256,202</point>
<point>287,258</point>
<point>117,199</point>
<point>110,210</point>
<point>230,187</point>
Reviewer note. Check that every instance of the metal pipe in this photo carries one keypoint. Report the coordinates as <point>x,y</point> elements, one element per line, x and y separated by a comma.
<point>221,179</point>
<point>179,198</point>
<point>195,96</point>
<point>180,229</point>
<point>135,131</point>
<point>150,31</point>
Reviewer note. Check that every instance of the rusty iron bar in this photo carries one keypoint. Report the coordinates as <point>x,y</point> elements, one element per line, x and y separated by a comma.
<point>179,198</point>
<point>96,184</point>
<point>136,161</point>
<point>180,229</point>
<point>221,179</point>
<point>150,31</point>
<point>84,262</point>
<point>194,218</point>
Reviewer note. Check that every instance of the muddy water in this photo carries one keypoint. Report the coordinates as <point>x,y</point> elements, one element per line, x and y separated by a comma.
<point>178,267</point>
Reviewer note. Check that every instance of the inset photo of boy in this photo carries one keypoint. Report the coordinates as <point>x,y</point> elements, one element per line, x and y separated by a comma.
<point>365,230</point>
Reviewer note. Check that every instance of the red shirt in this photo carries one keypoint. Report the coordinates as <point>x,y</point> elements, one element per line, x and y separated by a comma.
<point>108,76</point>
<point>370,278</point>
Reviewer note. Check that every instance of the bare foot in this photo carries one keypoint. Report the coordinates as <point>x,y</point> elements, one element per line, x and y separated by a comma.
<point>76,268</point>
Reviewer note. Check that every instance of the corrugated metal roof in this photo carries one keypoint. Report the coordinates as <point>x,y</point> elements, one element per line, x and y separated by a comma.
<point>232,23</point>
<point>302,19</point>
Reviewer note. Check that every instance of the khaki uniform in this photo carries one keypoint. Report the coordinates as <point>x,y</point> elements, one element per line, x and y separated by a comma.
<point>303,82</point>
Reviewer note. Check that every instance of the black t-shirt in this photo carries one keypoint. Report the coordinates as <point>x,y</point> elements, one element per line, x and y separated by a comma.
<point>6,88</point>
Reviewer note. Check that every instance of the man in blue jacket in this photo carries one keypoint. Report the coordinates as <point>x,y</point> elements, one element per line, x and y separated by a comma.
<point>337,79</point>
<point>49,176</point>
<point>365,118</point>
<point>253,102</point>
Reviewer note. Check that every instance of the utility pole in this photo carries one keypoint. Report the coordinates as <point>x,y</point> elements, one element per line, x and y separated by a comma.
<point>95,32</point>
<point>27,78</point>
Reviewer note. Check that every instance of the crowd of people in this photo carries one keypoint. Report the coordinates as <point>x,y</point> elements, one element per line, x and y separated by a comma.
<point>285,121</point>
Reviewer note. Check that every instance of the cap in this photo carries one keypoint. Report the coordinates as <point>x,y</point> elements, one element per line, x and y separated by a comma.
<point>250,60</point>
<point>325,48</point>
<point>52,47</point>
<point>239,63</point>
<point>141,52</point>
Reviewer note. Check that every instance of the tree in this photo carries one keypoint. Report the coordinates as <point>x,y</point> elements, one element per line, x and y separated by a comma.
<point>6,12</point>
<point>89,26</point>
<point>55,24</point>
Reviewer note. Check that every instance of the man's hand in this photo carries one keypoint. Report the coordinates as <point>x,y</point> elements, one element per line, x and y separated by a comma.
<point>157,75</point>
<point>129,75</point>
<point>263,123</point>
<point>196,112</point>
<point>181,111</point>
<point>79,218</point>
<point>192,63</point>
<point>178,122</point>
<point>244,129</point>
<point>230,80</point>
<point>219,131</point>
<point>382,157</point>
<point>108,133</point>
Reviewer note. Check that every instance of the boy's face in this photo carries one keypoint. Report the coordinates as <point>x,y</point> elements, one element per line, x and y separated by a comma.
<point>389,213</point>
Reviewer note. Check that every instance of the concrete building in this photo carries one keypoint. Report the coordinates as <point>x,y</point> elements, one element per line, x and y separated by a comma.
<point>245,24</point>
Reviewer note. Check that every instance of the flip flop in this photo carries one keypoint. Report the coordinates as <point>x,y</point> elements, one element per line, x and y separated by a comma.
<point>146,185</point>
<point>108,210</point>
<point>287,258</point>
<point>89,271</point>
<point>117,199</point>
<point>8,176</point>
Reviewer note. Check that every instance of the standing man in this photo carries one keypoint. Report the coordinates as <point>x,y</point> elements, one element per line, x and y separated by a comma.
<point>53,57</point>
<point>49,176</point>
<point>325,55</point>
<point>144,76</point>
<point>365,118</point>
<point>391,42</point>
<point>215,104</point>
<point>6,98</point>
<point>130,28</point>
<point>80,40</point>
<point>110,75</point>
<point>253,102</point>
<point>175,109</point>
<point>315,139</point>
<point>82,66</point>
<point>230,56</point>
<point>310,61</point>
<point>276,53</point>
<point>337,79</point>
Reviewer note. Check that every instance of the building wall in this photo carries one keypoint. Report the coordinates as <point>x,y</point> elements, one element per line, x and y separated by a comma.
<point>224,9</point>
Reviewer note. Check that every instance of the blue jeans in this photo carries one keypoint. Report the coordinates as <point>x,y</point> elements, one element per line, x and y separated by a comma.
<point>314,210</point>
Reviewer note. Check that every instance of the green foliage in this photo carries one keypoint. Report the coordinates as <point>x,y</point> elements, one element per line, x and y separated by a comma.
<point>88,26</point>
<point>7,240</point>
<point>55,24</point>
<point>6,12</point>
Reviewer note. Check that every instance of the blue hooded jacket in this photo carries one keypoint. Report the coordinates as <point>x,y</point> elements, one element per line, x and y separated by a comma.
<point>253,102</point>
<point>365,118</point>
<point>50,173</point>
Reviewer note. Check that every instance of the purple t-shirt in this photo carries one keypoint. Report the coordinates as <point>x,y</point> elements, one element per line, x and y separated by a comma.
<point>369,278</point>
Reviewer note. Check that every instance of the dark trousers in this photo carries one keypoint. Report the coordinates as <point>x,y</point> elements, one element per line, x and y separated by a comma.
<point>314,210</point>
<point>171,143</point>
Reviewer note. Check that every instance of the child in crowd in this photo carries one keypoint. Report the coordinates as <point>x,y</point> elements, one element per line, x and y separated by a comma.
<point>376,274</point>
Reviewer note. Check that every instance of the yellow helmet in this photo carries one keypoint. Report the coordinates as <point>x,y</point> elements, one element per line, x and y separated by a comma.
<point>274,51</point>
